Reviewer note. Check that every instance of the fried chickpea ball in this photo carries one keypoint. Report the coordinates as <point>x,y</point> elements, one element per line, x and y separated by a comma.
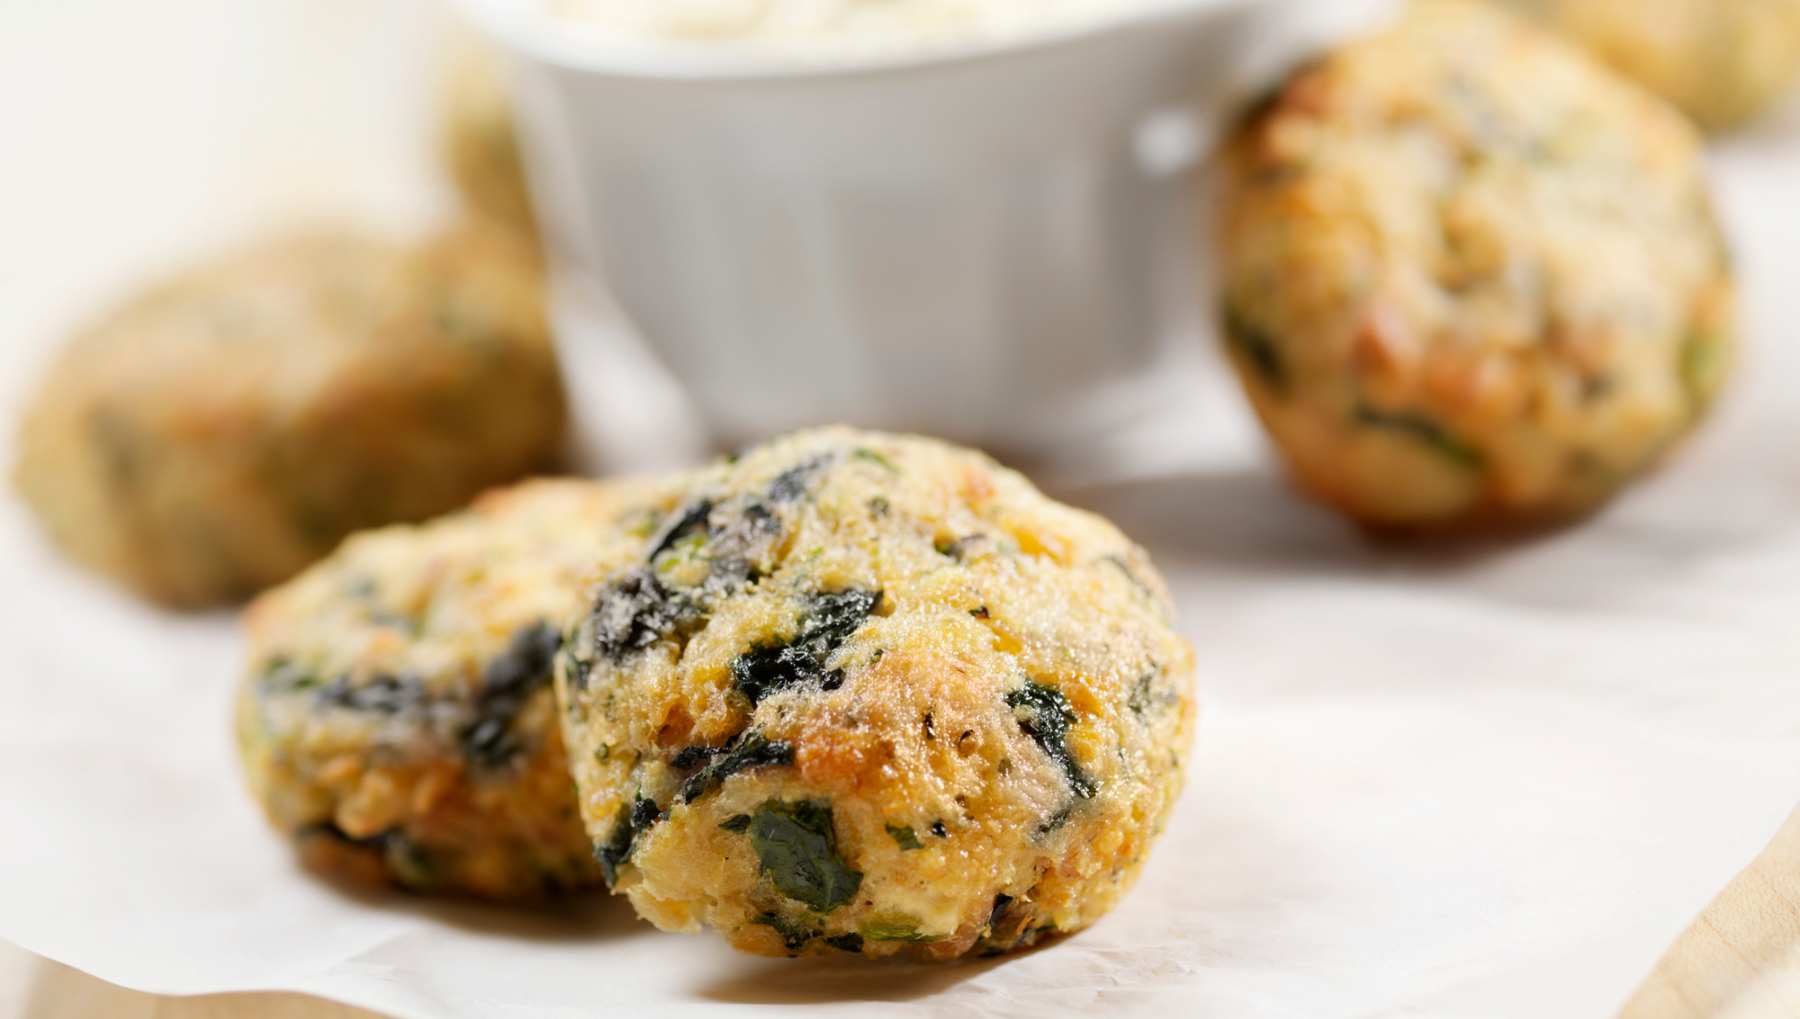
<point>876,694</point>
<point>1470,277</point>
<point>219,432</point>
<point>1722,61</point>
<point>397,719</point>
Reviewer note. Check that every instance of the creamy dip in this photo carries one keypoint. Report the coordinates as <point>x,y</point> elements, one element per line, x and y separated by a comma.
<point>825,29</point>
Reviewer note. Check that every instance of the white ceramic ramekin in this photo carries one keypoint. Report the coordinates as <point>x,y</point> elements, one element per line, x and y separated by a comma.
<point>962,243</point>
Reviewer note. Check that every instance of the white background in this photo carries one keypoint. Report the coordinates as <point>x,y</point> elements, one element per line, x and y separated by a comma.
<point>1488,781</point>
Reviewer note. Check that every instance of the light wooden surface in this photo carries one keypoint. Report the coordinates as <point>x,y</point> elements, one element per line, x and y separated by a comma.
<point>1741,958</point>
<point>34,988</point>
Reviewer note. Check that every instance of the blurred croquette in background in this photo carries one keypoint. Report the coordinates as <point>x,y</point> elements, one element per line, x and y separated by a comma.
<point>219,431</point>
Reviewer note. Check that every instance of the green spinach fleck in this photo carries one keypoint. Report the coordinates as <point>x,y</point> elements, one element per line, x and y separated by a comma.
<point>874,457</point>
<point>1424,430</point>
<point>830,622</point>
<point>894,927</point>
<point>747,750</point>
<point>633,612</point>
<point>1256,348</point>
<point>1045,715</point>
<point>904,836</point>
<point>629,824</point>
<point>792,483</point>
<point>1702,363</point>
<point>506,686</point>
<point>796,846</point>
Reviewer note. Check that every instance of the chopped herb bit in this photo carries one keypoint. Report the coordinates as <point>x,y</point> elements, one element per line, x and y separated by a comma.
<point>846,942</point>
<point>748,750</point>
<point>1058,819</point>
<point>879,506</point>
<point>1118,562</point>
<point>631,822</point>
<point>576,666</point>
<point>632,613</point>
<point>792,483</point>
<point>383,694</point>
<point>793,936</point>
<point>1425,430</point>
<point>1702,364</point>
<point>796,845</point>
<point>1045,715</point>
<point>865,453</point>
<point>687,549</point>
<point>282,675</point>
<point>1255,348</point>
<point>407,862</point>
<point>905,837</point>
<point>644,523</point>
<point>1144,695</point>
<point>506,685</point>
<point>894,927</point>
<point>692,520</point>
<point>739,823</point>
<point>831,621</point>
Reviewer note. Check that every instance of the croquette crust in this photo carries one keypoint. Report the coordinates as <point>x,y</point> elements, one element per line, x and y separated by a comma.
<point>876,694</point>
<point>221,431</point>
<point>1470,278</point>
<point>397,719</point>
<point>1721,61</point>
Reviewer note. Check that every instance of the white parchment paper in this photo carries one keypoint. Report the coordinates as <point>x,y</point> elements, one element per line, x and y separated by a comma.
<point>1487,781</point>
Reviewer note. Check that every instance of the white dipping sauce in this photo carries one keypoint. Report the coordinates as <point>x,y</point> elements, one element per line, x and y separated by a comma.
<point>826,28</point>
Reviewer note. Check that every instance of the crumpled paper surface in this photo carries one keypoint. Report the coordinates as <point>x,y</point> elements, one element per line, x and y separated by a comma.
<point>1483,781</point>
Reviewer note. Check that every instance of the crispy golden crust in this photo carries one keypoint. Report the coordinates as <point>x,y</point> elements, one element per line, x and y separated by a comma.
<point>1470,277</point>
<point>219,432</point>
<point>480,141</point>
<point>1722,61</point>
<point>876,694</point>
<point>397,718</point>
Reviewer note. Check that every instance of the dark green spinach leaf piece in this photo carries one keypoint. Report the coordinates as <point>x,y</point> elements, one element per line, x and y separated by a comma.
<point>1045,715</point>
<point>634,611</point>
<point>631,822</point>
<point>796,845</point>
<point>792,483</point>
<point>831,621</point>
<point>506,685</point>
<point>748,750</point>
<point>691,520</point>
